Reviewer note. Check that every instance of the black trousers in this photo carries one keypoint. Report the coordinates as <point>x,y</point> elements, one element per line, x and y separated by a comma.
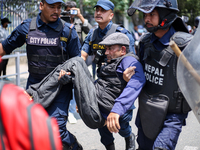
<point>3,66</point>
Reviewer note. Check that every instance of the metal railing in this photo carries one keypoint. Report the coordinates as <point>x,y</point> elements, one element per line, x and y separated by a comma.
<point>17,56</point>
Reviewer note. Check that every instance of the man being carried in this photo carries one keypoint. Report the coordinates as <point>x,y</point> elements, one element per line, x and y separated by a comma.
<point>110,95</point>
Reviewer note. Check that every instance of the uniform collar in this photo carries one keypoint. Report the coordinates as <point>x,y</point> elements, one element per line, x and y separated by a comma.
<point>165,39</point>
<point>52,25</point>
<point>103,32</point>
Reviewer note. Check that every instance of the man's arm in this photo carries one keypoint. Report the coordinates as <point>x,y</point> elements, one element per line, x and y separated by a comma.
<point>86,25</point>
<point>85,50</point>
<point>16,39</point>
<point>74,45</point>
<point>84,55</point>
<point>130,93</point>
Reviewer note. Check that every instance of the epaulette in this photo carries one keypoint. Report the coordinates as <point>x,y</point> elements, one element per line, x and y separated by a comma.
<point>121,29</point>
<point>26,21</point>
<point>145,37</point>
<point>181,38</point>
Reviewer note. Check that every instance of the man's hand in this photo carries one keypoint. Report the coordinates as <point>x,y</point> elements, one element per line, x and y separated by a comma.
<point>79,14</point>
<point>113,122</point>
<point>128,73</point>
<point>78,11</point>
<point>62,73</point>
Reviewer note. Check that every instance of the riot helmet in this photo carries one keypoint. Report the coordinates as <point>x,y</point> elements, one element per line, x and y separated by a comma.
<point>196,21</point>
<point>147,6</point>
<point>167,10</point>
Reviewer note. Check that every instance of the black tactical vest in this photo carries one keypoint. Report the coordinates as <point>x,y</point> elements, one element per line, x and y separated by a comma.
<point>44,50</point>
<point>109,86</point>
<point>160,72</point>
<point>95,39</point>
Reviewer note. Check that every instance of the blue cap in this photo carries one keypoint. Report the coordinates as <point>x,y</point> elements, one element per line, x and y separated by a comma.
<point>105,4</point>
<point>54,1</point>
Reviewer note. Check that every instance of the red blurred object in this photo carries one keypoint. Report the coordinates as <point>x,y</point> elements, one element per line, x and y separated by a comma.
<point>25,124</point>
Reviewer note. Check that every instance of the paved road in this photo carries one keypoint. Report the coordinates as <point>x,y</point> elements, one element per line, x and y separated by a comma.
<point>90,139</point>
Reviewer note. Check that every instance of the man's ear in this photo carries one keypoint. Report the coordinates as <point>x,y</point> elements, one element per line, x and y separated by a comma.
<point>111,15</point>
<point>123,50</point>
<point>41,5</point>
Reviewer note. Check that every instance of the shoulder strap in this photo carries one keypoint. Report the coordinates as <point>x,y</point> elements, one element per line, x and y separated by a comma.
<point>70,31</point>
<point>112,30</point>
<point>30,125</point>
<point>95,31</point>
<point>62,38</point>
<point>33,24</point>
<point>49,126</point>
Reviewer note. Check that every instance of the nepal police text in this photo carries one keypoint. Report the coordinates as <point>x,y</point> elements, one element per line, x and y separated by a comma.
<point>49,41</point>
<point>154,75</point>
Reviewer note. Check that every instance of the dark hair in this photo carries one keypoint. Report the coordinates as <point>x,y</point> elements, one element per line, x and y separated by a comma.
<point>70,4</point>
<point>127,47</point>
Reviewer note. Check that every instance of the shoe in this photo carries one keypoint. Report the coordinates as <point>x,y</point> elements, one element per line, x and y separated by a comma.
<point>130,142</point>
<point>6,79</point>
<point>110,146</point>
<point>71,118</point>
<point>75,146</point>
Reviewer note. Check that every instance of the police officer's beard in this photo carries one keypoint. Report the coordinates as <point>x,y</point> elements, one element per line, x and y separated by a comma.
<point>151,29</point>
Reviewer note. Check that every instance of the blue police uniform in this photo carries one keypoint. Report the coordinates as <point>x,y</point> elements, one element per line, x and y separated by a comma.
<point>168,136</point>
<point>101,33</point>
<point>47,40</point>
<point>124,104</point>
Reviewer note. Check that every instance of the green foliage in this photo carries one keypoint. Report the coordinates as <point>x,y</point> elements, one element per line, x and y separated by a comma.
<point>120,6</point>
<point>190,8</point>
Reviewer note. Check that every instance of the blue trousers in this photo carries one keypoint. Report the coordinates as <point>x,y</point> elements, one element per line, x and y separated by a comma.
<point>125,131</point>
<point>59,110</point>
<point>168,136</point>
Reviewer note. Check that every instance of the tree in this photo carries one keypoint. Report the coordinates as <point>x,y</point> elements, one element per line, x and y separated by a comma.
<point>190,8</point>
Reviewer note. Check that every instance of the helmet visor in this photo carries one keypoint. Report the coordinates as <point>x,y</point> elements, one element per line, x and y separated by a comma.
<point>146,6</point>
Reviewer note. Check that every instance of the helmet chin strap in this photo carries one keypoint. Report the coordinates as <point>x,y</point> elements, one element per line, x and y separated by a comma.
<point>155,28</point>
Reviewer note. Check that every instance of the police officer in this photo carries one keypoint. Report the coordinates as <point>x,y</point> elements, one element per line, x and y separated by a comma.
<point>3,35</point>
<point>196,23</point>
<point>103,16</point>
<point>162,107</point>
<point>81,24</point>
<point>49,43</point>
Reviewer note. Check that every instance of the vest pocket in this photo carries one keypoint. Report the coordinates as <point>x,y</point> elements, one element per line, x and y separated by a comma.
<point>152,112</point>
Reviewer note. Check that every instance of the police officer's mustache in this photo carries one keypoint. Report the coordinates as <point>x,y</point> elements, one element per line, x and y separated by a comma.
<point>55,15</point>
<point>148,24</point>
<point>98,17</point>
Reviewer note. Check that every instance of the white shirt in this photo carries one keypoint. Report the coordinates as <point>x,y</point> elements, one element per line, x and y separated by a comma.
<point>3,34</point>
